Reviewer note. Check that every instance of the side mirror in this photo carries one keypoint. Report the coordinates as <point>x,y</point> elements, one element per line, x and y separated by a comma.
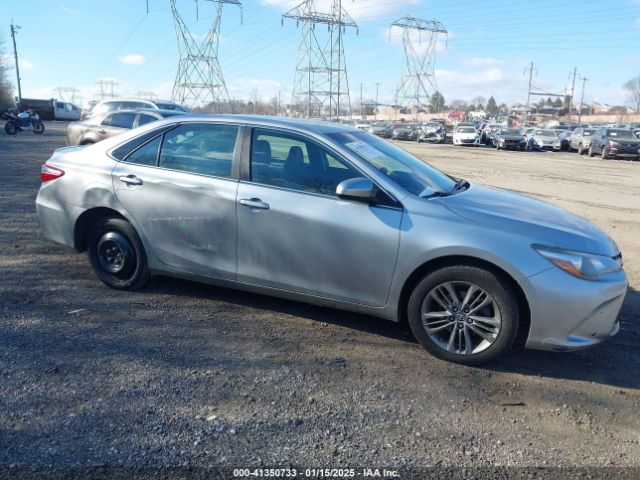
<point>359,189</point>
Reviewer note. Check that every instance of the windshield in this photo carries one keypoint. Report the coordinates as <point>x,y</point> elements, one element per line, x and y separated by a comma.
<point>400,166</point>
<point>546,133</point>
<point>467,130</point>
<point>588,132</point>
<point>620,134</point>
<point>510,131</point>
<point>171,106</point>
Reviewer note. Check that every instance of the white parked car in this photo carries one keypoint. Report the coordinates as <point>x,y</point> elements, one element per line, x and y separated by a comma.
<point>466,136</point>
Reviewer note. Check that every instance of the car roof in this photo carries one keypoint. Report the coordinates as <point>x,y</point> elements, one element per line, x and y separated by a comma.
<point>294,123</point>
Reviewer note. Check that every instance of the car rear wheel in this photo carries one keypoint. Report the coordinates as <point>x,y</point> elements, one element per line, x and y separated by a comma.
<point>117,255</point>
<point>464,314</point>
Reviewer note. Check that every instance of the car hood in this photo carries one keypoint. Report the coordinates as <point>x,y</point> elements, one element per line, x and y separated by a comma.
<point>511,137</point>
<point>542,222</point>
<point>626,141</point>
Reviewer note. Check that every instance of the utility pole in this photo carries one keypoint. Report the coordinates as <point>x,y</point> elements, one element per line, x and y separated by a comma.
<point>529,89</point>
<point>14,29</point>
<point>375,112</point>
<point>573,88</point>
<point>584,81</point>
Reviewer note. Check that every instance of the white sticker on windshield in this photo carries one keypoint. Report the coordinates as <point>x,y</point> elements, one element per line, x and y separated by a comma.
<point>365,149</point>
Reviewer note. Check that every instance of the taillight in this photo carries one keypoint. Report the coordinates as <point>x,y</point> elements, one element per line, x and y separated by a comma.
<point>49,173</point>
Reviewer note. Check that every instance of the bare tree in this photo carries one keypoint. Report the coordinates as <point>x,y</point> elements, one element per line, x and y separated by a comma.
<point>632,88</point>
<point>6,91</point>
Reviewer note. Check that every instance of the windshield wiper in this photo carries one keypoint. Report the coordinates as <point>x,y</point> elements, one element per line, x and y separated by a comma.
<point>460,184</point>
<point>431,193</point>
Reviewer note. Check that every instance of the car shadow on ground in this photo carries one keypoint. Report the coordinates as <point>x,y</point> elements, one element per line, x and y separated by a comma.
<point>615,362</point>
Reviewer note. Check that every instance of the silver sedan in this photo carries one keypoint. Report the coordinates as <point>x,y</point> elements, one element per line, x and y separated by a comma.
<point>334,216</point>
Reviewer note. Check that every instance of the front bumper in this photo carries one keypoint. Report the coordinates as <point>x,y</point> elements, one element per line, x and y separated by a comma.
<point>569,313</point>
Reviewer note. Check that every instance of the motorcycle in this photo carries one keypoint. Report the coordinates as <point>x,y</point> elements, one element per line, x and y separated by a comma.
<point>22,122</point>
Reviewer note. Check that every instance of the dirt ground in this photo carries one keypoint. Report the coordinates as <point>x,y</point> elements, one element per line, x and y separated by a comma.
<point>191,376</point>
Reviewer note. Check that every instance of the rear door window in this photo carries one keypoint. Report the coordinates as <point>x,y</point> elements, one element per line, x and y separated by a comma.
<point>146,118</point>
<point>201,148</point>
<point>121,119</point>
<point>146,154</point>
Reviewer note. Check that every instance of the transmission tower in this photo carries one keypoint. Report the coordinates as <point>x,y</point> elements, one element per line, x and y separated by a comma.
<point>418,81</point>
<point>199,79</point>
<point>145,95</point>
<point>321,85</point>
<point>107,89</point>
<point>69,94</point>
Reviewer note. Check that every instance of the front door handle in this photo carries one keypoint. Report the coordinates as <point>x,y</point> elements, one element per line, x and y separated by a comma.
<point>102,132</point>
<point>254,203</point>
<point>130,180</point>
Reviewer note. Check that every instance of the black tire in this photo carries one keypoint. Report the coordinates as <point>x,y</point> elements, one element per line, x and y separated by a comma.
<point>38,127</point>
<point>117,255</point>
<point>11,128</point>
<point>604,155</point>
<point>580,149</point>
<point>590,152</point>
<point>504,300</point>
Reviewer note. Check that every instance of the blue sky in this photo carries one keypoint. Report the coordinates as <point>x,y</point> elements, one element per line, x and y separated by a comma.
<point>74,43</point>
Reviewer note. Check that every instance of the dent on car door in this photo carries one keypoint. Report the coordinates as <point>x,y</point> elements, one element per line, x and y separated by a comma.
<point>181,191</point>
<point>295,234</point>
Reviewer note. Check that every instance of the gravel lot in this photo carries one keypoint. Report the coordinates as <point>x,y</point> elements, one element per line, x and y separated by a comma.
<point>185,375</point>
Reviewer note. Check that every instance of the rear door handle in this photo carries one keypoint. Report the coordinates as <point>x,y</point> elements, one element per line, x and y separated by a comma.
<point>254,203</point>
<point>130,180</point>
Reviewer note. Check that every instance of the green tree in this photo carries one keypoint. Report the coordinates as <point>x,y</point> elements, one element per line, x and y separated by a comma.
<point>558,103</point>
<point>492,106</point>
<point>436,103</point>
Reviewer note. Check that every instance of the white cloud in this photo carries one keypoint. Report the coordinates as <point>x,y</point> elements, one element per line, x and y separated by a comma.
<point>25,64</point>
<point>133,59</point>
<point>361,11</point>
<point>68,10</point>
<point>481,62</point>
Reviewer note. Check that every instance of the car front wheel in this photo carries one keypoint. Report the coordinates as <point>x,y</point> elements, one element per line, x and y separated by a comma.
<point>590,152</point>
<point>117,255</point>
<point>604,154</point>
<point>464,314</point>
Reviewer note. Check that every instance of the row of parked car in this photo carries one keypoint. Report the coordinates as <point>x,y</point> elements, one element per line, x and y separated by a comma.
<point>607,141</point>
<point>435,130</point>
<point>117,115</point>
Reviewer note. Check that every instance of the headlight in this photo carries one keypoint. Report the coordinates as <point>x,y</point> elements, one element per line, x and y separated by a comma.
<point>587,266</point>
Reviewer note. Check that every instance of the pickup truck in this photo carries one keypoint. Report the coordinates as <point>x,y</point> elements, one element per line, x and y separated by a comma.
<point>51,109</point>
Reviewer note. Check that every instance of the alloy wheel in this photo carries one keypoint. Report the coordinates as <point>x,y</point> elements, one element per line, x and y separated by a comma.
<point>461,318</point>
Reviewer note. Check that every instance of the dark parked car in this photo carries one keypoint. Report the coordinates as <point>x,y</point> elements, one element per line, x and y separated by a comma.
<point>614,142</point>
<point>105,125</point>
<point>509,139</point>
<point>580,139</point>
